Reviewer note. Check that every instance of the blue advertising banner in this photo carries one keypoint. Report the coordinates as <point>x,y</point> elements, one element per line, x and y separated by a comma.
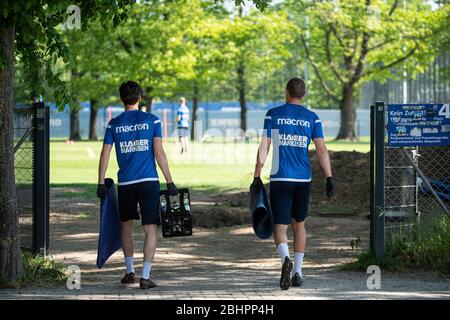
<point>418,125</point>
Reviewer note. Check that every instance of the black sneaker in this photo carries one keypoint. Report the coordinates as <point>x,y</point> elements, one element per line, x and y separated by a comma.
<point>146,284</point>
<point>286,269</point>
<point>128,278</point>
<point>297,280</point>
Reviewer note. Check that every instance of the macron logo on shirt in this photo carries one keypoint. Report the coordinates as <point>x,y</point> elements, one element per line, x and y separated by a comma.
<point>294,122</point>
<point>133,127</point>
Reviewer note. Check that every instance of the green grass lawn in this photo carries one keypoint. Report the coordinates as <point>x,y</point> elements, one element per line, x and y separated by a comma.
<point>210,166</point>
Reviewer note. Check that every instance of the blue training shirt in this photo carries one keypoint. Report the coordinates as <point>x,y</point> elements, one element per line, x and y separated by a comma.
<point>183,117</point>
<point>132,133</point>
<point>291,128</point>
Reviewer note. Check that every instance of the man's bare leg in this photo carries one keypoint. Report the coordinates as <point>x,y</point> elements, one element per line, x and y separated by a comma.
<point>299,236</point>
<point>280,238</point>
<point>149,249</point>
<point>299,249</point>
<point>180,140</point>
<point>185,144</point>
<point>127,247</point>
<point>127,238</point>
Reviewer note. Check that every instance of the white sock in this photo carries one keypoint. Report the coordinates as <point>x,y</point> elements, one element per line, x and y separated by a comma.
<point>146,270</point>
<point>283,249</point>
<point>298,256</point>
<point>129,264</point>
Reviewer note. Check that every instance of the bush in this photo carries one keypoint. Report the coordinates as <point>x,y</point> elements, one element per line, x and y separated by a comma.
<point>39,270</point>
<point>427,247</point>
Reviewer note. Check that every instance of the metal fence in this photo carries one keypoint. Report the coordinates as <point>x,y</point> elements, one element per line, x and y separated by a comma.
<point>23,166</point>
<point>410,185</point>
<point>219,120</point>
<point>31,167</point>
<point>431,85</point>
<point>400,191</point>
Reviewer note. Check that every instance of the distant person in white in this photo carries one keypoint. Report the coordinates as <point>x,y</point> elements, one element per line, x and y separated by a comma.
<point>183,124</point>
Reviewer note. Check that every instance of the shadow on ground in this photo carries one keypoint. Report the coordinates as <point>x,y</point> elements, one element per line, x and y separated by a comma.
<point>219,263</point>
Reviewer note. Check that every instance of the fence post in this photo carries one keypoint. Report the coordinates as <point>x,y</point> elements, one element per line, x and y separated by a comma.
<point>41,178</point>
<point>377,141</point>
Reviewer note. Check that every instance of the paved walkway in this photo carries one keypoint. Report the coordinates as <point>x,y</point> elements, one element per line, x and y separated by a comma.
<point>321,285</point>
<point>226,264</point>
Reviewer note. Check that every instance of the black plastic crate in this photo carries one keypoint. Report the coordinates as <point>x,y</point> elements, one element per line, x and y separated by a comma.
<point>176,217</point>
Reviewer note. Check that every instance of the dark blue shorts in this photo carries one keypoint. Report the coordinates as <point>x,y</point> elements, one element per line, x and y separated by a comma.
<point>183,132</point>
<point>289,200</point>
<point>146,194</point>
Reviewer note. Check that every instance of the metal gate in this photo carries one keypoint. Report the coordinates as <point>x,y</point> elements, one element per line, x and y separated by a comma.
<point>31,166</point>
<point>410,186</point>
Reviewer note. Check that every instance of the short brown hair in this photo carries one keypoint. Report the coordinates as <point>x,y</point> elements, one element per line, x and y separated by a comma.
<point>296,88</point>
<point>130,92</point>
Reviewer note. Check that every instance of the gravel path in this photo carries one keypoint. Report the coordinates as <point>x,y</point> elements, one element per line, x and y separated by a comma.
<point>223,263</point>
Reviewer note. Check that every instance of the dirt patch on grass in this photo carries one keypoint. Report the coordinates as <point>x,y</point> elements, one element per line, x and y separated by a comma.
<point>229,208</point>
<point>351,174</point>
<point>351,171</point>
<point>216,217</point>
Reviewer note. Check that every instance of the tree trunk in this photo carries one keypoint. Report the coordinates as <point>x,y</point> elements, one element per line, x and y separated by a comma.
<point>348,115</point>
<point>93,120</point>
<point>241,89</point>
<point>148,99</point>
<point>11,268</point>
<point>75,122</point>
<point>149,103</point>
<point>195,101</point>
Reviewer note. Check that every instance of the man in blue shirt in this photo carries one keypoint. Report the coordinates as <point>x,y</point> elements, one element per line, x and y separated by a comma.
<point>183,124</point>
<point>290,128</point>
<point>136,136</point>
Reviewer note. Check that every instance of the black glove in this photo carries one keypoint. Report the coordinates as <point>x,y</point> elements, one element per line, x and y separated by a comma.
<point>101,191</point>
<point>172,188</point>
<point>330,188</point>
<point>257,184</point>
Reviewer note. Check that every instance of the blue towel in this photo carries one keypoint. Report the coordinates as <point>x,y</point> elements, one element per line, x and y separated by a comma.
<point>441,189</point>
<point>440,186</point>
<point>262,219</point>
<point>109,240</point>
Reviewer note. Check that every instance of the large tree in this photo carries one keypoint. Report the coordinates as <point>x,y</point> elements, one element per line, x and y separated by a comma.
<point>255,44</point>
<point>29,33</point>
<point>91,79</point>
<point>209,65</point>
<point>348,43</point>
<point>152,46</point>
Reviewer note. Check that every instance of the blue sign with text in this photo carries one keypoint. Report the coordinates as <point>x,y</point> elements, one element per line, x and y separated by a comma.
<point>418,125</point>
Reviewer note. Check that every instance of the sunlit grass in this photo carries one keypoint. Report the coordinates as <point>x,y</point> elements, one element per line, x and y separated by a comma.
<point>208,166</point>
<point>426,247</point>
